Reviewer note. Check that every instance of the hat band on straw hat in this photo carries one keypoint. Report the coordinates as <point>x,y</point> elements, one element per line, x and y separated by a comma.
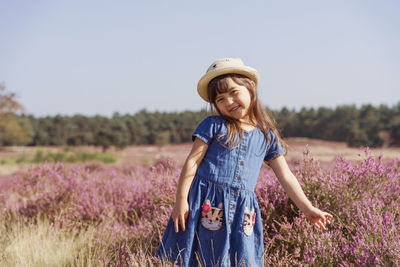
<point>221,67</point>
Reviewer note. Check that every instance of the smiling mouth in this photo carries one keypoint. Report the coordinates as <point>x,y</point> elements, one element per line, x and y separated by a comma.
<point>234,109</point>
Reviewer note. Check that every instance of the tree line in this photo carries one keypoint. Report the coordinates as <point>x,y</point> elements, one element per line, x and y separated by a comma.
<point>365,126</point>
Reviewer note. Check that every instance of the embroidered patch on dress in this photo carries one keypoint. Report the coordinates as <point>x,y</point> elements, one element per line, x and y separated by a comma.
<point>211,217</point>
<point>249,221</point>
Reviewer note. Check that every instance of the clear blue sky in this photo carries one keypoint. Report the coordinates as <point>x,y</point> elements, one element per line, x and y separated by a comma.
<point>101,57</point>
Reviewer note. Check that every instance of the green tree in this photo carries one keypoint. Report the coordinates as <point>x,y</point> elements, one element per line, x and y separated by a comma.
<point>340,121</point>
<point>287,122</point>
<point>13,130</point>
<point>394,127</point>
<point>121,136</point>
<point>370,122</point>
<point>103,133</point>
<point>308,120</point>
<point>356,137</point>
<point>81,131</point>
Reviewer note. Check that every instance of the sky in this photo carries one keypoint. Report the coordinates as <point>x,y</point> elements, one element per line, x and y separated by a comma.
<point>101,57</point>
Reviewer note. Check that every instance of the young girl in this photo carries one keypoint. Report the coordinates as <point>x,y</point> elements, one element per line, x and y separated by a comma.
<point>216,220</point>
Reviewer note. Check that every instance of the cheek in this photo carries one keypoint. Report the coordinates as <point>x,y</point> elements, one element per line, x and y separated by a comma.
<point>248,100</point>
<point>220,107</point>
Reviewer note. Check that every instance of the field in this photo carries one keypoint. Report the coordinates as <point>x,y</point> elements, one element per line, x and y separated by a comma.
<point>110,210</point>
<point>323,151</point>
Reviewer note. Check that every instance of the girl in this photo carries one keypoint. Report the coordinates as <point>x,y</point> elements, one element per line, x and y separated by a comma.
<point>216,219</point>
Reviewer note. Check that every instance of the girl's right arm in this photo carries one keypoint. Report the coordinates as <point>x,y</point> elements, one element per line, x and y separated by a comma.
<point>180,211</point>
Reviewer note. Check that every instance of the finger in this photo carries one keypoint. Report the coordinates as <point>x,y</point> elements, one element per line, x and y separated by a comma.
<point>182,219</point>
<point>327,217</point>
<point>186,215</point>
<point>176,225</point>
<point>326,221</point>
<point>320,225</point>
<point>323,226</point>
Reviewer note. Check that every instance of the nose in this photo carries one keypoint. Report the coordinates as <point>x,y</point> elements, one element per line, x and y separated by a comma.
<point>229,100</point>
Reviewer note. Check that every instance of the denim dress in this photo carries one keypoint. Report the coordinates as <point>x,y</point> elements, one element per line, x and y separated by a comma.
<point>224,225</point>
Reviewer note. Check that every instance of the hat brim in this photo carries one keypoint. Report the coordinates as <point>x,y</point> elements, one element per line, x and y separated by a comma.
<point>206,79</point>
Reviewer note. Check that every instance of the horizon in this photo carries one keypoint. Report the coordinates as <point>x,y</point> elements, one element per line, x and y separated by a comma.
<point>209,111</point>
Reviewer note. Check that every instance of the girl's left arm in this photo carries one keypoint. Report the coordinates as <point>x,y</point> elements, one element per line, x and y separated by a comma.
<point>292,187</point>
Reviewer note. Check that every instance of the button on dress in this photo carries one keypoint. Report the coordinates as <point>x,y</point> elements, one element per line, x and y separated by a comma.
<point>224,225</point>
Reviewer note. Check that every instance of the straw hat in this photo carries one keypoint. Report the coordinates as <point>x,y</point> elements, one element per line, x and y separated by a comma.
<point>221,67</point>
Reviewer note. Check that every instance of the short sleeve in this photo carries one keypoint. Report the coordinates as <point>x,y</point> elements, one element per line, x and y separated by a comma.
<point>205,130</point>
<point>274,149</point>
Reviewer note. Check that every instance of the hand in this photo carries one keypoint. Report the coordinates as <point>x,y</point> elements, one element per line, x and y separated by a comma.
<point>180,212</point>
<point>318,218</point>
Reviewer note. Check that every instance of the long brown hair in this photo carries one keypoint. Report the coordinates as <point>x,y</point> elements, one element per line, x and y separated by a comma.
<point>257,114</point>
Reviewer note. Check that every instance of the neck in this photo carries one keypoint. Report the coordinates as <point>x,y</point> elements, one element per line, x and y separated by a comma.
<point>247,121</point>
<point>247,125</point>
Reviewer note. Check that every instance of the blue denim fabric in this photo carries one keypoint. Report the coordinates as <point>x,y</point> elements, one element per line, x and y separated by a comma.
<point>226,176</point>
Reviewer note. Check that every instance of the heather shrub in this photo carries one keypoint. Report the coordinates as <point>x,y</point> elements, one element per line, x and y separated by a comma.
<point>364,198</point>
<point>127,203</point>
<point>122,211</point>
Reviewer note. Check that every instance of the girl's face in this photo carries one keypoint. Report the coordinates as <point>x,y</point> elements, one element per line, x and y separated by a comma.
<point>235,102</point>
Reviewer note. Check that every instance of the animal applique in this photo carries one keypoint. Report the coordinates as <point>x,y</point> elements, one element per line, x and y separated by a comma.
<point>211,217</point>
<point>249,221</point>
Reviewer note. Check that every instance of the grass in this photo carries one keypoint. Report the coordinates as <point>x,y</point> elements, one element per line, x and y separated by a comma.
<point>25,243</point>
<point>38,243</point>
<point>66,156</point>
